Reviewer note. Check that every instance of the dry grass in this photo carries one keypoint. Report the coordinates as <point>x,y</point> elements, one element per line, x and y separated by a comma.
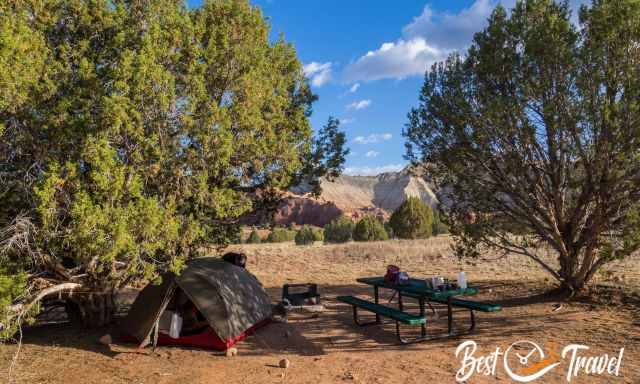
<point>328,348</point>
<point>276,264</point>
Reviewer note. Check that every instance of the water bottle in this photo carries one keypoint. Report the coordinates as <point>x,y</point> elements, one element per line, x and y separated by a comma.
<point>462,280</point>
<point>176,325</point>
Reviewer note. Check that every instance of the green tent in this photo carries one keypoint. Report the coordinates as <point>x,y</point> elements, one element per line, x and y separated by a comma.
<point>231,299</point>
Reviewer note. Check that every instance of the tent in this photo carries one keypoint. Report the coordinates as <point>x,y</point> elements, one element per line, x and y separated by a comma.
<point>231,299</point>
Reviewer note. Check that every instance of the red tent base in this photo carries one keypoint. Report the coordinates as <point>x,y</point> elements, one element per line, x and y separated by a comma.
<point>207,339</point>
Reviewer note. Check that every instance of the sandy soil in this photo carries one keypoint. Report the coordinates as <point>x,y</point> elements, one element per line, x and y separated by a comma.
<point>329,348</point>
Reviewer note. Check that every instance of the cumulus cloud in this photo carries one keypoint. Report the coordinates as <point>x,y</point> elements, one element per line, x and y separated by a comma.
<point>354,87</point>
<point>450,30</point>
<point>398,60</point>
<point>358,105</point>
<point>429,38</point>
<point>373,138</point>
<point>318,73</point>
<point>372,154</point>
<point>372,171</point>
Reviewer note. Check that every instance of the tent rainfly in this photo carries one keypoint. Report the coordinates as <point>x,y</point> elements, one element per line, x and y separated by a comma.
<point>231,300</point>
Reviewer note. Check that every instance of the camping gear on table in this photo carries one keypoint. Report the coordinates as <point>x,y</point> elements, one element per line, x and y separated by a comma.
<point>229,297</point>
<point>436,282</point>
<point>391,276</point>
<point>417,289</point>
<point>462,280</point>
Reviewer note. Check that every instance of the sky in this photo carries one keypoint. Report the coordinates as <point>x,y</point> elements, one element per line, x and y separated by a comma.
<point>366,61</point>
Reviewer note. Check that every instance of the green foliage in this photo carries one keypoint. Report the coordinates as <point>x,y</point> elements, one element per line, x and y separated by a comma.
<point>413,219</point>
<point>133,133</point>
<point>439,227</point>
<point>327,155</point>
<point>305,236</point>
<point>12,287</point>
<point>318,233</point>
<point>280,235</point>
<point>389,230</point>
<point>339,230</point>
<point>369,229</point>
<point>529,133</point>
<point>254,238</point>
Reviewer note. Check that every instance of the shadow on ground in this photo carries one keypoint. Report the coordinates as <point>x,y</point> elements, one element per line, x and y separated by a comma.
<point>333,330</point>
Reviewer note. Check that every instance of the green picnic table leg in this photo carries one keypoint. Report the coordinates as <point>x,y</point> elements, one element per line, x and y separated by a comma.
<point>450,314</point>
<point>377,299</point>
<point>423,327</point>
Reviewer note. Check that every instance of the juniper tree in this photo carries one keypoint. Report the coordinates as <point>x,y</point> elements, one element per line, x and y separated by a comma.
<point>413,219</point>
<point>535,133</point>
<point>132,133</point>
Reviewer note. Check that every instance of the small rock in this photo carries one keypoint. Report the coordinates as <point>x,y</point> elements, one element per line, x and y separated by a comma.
<point>284,363</point>
<point>106,339</point>
<point>232,352</point>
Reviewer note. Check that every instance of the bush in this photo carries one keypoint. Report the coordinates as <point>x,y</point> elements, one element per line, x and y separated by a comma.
<point>318,233</point>
<point>305,236</point>
<point>389,230</point>
<point>280,235</point>
<point>254,238</point>
<point>439,227</point>
<point>412,220</point>
<point>369,229</point>
<point>339,230</point>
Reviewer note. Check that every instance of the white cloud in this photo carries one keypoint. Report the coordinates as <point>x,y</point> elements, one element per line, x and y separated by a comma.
<point>358,105</point>
<point>451,30</point>
<point>372,154</point>
<point>372,171</point>
<point>397,60</point>
<point>354,87</point>
<point>318,73</point>
<point>347,120</point>
<point>429,38</point>
<point>373,138</point>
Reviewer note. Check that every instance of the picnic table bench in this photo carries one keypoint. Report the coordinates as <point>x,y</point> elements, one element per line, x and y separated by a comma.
<point>416,289</point>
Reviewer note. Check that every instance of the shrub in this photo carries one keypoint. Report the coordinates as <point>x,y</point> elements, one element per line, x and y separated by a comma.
<point>369,229</point>
<point>318,233</point>
<point>280,235</point>
<point>412,220</point>
<point>254,238</point>
<point>305,236</point>
<point>339,230</point>
<point>389,230</point>
<point>439,227</point>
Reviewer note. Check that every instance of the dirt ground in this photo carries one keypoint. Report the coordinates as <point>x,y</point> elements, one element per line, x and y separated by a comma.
<point>329,348</point>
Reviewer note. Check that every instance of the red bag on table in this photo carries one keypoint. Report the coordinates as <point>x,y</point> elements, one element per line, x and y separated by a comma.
<point>392,274</point>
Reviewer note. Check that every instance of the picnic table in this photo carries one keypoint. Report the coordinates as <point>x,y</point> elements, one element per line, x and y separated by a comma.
<point>425,294</point>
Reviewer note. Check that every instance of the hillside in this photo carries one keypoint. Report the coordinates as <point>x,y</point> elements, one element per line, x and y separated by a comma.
<point>354,196</point>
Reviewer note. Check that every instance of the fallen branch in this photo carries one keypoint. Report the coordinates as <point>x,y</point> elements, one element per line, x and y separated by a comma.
<point>25,307</point>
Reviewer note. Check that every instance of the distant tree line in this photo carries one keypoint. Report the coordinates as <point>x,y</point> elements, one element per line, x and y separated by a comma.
<point>413,219</point>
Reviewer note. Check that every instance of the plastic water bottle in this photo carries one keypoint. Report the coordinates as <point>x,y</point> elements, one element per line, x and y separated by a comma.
<point>176,325</point>
<point>462,280</point>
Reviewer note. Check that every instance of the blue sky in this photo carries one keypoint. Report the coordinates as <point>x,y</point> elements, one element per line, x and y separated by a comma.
<point>366,61</point>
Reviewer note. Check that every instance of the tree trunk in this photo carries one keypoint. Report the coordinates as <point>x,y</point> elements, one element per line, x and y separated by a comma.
<point>95,310</point>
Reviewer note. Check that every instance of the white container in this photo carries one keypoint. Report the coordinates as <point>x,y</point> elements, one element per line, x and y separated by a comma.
<point>462,280</point>
<point>176,326</point>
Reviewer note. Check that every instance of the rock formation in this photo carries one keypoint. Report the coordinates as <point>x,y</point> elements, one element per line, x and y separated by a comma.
<point>354,196</point>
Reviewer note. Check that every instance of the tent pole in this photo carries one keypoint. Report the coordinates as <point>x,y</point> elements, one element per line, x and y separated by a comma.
<point>155,336</point>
